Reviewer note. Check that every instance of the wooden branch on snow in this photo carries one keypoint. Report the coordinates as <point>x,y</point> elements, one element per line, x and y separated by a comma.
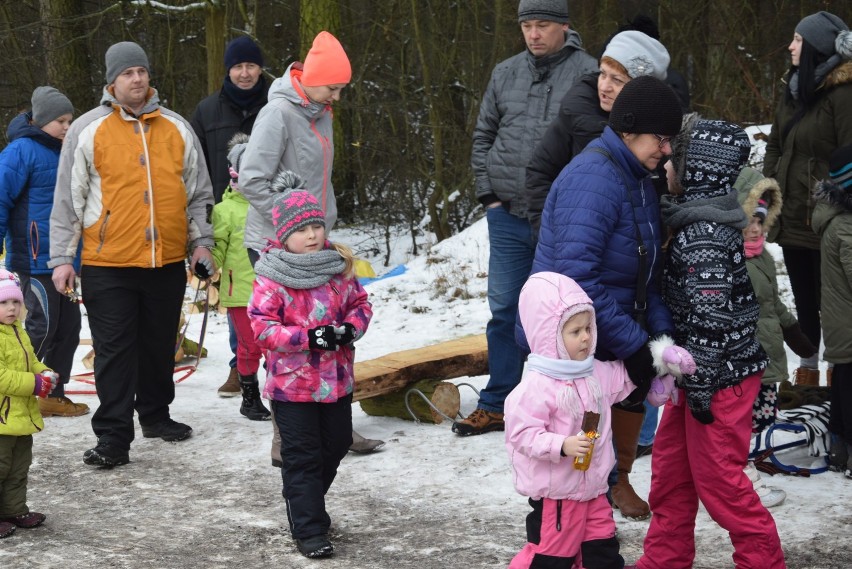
<point>466,356</point>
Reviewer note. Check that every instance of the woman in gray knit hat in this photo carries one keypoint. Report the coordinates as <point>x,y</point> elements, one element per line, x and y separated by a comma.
<point>814,117</point>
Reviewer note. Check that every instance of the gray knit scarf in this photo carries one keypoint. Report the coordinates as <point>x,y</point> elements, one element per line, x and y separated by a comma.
<point>720,209</point>
<point>300,271</point>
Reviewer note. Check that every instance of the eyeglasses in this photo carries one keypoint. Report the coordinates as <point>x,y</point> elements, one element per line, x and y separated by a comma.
<point>663,140</point>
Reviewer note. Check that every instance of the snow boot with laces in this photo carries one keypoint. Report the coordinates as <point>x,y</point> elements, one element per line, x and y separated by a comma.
<point>252,407</point>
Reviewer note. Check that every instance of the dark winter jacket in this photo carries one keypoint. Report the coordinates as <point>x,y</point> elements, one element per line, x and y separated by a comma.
<point>216,120</point>
<point>27,180</point>
<point>774,315</point>
<point>519,104</point>
<point>705,283</point>
<point>800,159</point>
<point>580,120</point>
<point>588,233</point>
<point>833,222</point>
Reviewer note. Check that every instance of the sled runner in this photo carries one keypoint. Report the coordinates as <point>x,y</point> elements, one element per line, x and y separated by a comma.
<point>810,424</point>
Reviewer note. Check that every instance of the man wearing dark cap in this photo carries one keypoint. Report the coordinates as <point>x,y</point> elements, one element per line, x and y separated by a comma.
<point>133,193</point>
<point>521,100</point>
<point>216,120</point>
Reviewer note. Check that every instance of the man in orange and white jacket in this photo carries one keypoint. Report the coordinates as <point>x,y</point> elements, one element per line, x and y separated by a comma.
<point>133,190</point>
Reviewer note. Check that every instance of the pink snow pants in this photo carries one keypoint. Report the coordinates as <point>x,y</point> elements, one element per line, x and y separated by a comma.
<point>692,462</point>
<point>578,522</point>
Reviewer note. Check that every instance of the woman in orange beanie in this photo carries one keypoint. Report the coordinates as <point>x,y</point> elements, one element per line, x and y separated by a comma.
<point>293,132</point>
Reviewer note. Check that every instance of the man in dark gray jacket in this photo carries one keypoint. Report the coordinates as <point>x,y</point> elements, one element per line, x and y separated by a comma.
<point>521,100</point>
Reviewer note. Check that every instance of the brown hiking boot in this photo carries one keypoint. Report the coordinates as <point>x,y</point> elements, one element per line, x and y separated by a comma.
<point>61,407</point>
<point>806,376</point>
<point>231,387</point>
<point>479,422</point>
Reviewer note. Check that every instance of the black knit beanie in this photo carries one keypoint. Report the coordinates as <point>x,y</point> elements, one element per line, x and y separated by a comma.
<point>242,50</point>
<point>646,105</point>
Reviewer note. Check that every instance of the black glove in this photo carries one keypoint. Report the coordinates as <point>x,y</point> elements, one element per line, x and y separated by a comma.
<point>640,368</point>
<point>203,269</point>
<point>798,342</point>
<point>322,338</point>
<point>348,335</point>
<point>703,416</point>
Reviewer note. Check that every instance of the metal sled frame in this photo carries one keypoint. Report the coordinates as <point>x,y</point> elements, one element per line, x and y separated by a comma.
<point>432,405</point>
<point>760,455</point>
<point>185,370</point>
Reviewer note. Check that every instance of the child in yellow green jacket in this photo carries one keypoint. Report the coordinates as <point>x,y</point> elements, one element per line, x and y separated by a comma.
<point>22,378</point>
<point>229,223</point>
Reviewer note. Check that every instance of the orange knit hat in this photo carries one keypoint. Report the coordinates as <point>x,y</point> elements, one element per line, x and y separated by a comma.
<point>326,63</point>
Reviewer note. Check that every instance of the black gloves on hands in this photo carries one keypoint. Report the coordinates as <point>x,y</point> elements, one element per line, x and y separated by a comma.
<point>798,342</point>
<point>330,337</point>
<point>640,368</point>
<point>323,338</point>
<point>347,336</point>
<point>703,416</point>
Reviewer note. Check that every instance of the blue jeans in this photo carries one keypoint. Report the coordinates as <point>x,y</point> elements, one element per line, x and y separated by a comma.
<point>512,250</point>
<point>232,341</point>
<point>649,425</point>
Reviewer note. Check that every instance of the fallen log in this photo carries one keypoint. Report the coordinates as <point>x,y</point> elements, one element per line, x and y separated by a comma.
<point>443,395</point>
<point>462,357</point>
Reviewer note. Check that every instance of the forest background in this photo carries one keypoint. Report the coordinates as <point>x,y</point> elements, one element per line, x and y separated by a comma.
<point>403,127</point>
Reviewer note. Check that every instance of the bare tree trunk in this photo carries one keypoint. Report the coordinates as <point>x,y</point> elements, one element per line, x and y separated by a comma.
<point>66,53</point>
<point>314,17</point>
<point>215,32</point>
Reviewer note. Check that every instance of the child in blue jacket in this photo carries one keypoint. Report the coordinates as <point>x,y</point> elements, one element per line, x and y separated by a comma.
<point>27,179</point>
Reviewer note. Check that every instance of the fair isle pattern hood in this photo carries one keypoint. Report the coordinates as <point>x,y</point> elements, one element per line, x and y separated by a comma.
<point>706,284</point>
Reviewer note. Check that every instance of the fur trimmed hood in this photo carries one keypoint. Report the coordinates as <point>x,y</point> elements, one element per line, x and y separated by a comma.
<point>833,194</point>
<point>751,186</point>
<point>840,75</point>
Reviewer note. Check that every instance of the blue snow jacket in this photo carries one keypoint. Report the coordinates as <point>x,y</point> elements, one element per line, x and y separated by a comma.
<point>27,179</point>
<point>588,233</point>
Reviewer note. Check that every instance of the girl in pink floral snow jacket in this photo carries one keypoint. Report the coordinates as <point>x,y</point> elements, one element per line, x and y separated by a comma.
<point>306,310</point>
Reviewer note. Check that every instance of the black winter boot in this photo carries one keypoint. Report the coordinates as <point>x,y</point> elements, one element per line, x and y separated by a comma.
<point>252,406</point>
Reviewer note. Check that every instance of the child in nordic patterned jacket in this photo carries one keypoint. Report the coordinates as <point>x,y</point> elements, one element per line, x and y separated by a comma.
<point>703,440</point>
<point>229,222</point>
<point>22,378</point>
<point>307,309</point>
<point>545,427</point>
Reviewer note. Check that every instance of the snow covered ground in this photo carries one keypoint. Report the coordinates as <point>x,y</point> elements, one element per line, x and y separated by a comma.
<point>429,499</point>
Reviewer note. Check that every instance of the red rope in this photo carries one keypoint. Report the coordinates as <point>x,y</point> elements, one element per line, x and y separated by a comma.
<point>89,378</point>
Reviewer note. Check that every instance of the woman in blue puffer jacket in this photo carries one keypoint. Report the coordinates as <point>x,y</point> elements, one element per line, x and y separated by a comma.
<point>601,210</point>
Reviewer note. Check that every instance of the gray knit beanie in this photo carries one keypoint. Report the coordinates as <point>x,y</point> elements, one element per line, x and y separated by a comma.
<point>122,55</point>
<point>639,53</point>
<point>236,148</point>
<point>48,105</point>
<point>820,30</point>
<point>549,10</point>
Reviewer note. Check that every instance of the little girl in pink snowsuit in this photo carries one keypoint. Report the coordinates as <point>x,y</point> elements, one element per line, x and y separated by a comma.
<point>544,419</point>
